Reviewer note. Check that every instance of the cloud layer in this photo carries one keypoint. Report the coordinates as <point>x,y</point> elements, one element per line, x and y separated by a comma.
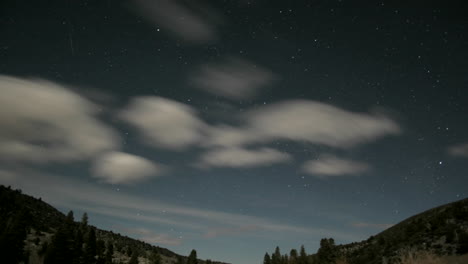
<point>172,125</point>
<point>43,121</point>
<point>122,168</point>
<point>328,165</point>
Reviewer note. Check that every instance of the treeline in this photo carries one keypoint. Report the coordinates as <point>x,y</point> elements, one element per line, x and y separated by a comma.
<point>326,254</point>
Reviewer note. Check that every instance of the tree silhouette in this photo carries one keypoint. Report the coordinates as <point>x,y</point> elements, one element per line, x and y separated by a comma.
<point>192,258</point>
<point>266,259</point>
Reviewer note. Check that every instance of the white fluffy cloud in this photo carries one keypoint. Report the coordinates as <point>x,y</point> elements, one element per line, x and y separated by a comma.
<point>43,121</point>
<point>328,165</point>
<point>459,150</point>
<point>235,78</point>
<point>123,168</point>
<point>242,158</point>
<point>164,122</point>
<point>304,121</point>
<point>191,21</point>
<point>318,123</point>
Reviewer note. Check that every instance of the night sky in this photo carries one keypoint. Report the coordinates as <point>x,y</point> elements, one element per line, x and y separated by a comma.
<point>233,127</point>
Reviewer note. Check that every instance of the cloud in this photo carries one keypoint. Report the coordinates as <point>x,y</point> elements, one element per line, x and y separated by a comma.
<point>459,150</point>
<point>303,121</point>
<point>43,121</point>
<point>216,232</point>
<point>234,79</point>
<point>319,123</point>
<point>152,237</point>
<point>123,168</point>
<point>169,124</point>
<point>189,20</point>
<point>164,123</point>
<point>371,225</point>
<point>328,165</point>
<point>242,158</point>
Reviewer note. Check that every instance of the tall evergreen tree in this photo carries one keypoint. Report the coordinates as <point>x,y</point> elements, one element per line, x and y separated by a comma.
<point>276,257</point>
<point>78,247</point>
<point>180,260</point>
<point>192,258</point>
<point>90,248</point>
<point>326,253</point>
<point>134,257</point>
<point>303,256</point>
<point>12,235</point>
<point>61,249</point>
<point>293,256</point>
<point>155,258</point>
<point>266,259</point>
<point>109,252</point>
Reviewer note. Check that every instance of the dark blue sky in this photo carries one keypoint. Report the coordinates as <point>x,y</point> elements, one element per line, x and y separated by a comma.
<point>232,127</point>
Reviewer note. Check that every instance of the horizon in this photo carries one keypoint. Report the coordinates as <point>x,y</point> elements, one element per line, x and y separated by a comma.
<point>233,127</point>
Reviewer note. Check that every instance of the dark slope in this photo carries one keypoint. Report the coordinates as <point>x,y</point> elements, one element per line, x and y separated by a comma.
<point>28,222</point>
<point>442,230</point>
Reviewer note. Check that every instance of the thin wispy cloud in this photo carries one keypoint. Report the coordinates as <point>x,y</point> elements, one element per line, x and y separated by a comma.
<point>460,150</point>
<point>79,195</point>
<point>234,79</point>
<point>190,21</point>
<point>371,225</point>
<point>216,232</point>
<point>328,166</point>
<point>242,158</point>
<point>149,236</point>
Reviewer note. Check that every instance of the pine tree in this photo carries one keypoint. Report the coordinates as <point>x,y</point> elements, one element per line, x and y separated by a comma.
<point>134,258</point>
<point>326,253</point>
<point>303,256</point>
<point>192,258</point>
<point>12,236</point>
<point>266,259</point>
<point>180,260</point>
<point>78,247</point>
<point>109,252</point>
<point>61,249</point>
<point>155,258</point>
<point>90,249</point>
<point>276,257</point>
<point>84,220</point>
<point>293,256</point>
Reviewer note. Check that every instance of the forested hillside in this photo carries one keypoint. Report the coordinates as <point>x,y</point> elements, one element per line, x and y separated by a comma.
<point>31,231</point>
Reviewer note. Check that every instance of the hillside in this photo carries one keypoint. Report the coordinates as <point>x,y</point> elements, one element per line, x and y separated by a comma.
<point>442,231</point>
<point>436,236</point>
<point>32,231</point>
